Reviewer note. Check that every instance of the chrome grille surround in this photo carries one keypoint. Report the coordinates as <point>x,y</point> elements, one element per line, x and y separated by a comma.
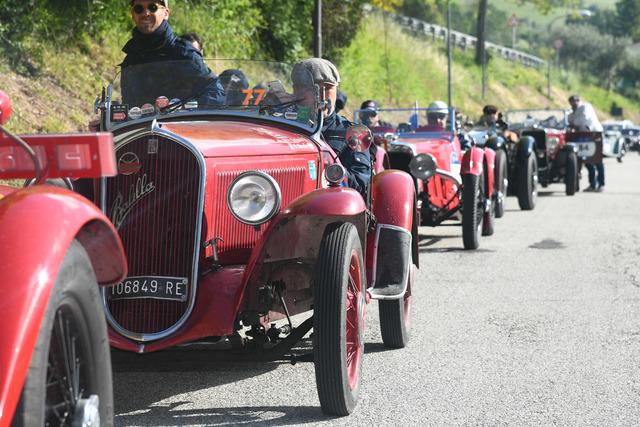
<point>146,337</point>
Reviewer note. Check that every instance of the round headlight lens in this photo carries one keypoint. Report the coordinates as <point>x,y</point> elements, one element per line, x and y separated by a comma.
<point>254,197</point>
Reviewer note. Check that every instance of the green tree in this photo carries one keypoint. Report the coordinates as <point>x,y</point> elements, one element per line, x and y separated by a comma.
<point>628,21</point>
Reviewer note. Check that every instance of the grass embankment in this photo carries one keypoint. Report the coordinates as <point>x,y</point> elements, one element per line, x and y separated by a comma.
<point>390,65</point>
<point>398,69</point>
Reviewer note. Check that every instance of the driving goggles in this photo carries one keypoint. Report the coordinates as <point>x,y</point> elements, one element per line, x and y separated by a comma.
<point>152,8</point>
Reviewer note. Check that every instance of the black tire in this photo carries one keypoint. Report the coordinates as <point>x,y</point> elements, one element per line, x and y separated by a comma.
<point>395,318</point>
<point>500,179</point>
<point>472,210</point>
<point>528,183</point>
<point>73,322</point>
<point>571,174</point>
<point>338,319</point>
<point>489,217</point>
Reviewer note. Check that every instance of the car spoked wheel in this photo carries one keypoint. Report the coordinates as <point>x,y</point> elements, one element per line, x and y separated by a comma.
<point>501,182</point>
<point>472,210</point>
<point>69,377</point>
<point>338,319</point>
<point>395,317</point>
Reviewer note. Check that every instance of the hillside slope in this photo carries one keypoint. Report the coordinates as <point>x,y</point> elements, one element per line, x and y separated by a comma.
<point>383,62</point>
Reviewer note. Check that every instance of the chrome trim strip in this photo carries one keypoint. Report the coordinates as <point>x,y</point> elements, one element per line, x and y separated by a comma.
<point>379,227</point>
<point>156,130</point>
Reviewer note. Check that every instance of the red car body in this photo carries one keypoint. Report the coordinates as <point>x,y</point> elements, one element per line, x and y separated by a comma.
<point>37,226</point>
<point>174,208</point>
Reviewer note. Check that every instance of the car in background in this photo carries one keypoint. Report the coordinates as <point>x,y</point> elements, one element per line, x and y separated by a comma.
<point>453,181</point>
<point>557,160</point>
<point>57,249</point>
<point>617,138</point>
<point>516,167</point>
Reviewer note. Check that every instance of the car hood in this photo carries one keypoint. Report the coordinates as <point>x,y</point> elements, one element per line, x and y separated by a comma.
<point>226,138</point>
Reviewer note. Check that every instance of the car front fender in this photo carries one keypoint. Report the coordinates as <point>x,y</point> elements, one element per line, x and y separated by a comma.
<point>37,226</point>
<point>490,165</point>
<point>472,161</point>
<point>290,246</point>
<point>525,147</point>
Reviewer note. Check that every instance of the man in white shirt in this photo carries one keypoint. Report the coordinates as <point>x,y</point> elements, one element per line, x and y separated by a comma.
<point>584,119</point>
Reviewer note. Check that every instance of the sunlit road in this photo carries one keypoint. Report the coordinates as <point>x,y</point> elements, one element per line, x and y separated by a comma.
<point>541,326</point>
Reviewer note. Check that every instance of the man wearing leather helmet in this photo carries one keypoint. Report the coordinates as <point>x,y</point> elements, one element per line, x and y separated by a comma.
<point>308,74</point>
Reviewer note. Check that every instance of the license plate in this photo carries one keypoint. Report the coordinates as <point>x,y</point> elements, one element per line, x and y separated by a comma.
<point>166,288</point>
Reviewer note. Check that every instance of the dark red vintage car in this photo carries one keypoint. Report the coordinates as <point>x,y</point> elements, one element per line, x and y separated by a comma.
<point>235,218</point>
<point>57,247</point>
<point>557,161</point>
<point>450,183</point>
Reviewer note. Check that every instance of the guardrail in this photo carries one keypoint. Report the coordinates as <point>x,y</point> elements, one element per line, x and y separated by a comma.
<point>462,40</point>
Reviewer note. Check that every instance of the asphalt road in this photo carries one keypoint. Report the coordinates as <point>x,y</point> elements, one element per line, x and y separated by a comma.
<point>541,326</point>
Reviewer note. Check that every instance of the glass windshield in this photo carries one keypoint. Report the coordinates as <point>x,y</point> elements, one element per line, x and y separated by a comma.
<point>612,127</point>
<point>406,120</point>
<point>176,88</point>
<point>519,119</point>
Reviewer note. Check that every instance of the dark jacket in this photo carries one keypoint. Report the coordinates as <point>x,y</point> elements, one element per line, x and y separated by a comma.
<point>148,74</point>
<point>357,164</point>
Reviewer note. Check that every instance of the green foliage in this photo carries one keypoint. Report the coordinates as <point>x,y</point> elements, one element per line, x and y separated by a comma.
<point>341,20</point>
<point>628,12</point>
<point>286,29</point>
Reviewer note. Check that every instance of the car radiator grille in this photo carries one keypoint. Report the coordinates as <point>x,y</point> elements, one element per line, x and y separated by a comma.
<point>238,239</point>
<point>157,227</point>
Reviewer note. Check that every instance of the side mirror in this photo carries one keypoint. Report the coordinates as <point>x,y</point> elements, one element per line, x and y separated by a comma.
<point>359,138</point>
<point>5,107</point>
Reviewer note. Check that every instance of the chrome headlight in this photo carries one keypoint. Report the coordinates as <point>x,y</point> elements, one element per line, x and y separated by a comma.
<point>254,197</point>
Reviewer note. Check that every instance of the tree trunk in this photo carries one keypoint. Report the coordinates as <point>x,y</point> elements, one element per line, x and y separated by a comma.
<point>481,31</point>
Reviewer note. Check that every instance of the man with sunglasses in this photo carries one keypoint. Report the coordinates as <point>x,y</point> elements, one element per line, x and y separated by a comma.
<point>306,76</point>
<point>153,42</point>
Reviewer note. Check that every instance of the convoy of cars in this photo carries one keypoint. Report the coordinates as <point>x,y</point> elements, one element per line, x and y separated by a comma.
<point>234,219</point>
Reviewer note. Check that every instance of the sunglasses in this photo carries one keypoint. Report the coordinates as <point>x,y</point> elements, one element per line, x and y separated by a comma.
<point>152,8</point>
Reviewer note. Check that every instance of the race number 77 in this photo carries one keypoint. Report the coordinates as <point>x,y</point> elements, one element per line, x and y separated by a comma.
<point>249,93</point>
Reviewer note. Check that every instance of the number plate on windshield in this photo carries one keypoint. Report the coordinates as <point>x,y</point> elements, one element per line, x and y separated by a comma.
<point>166,288</point>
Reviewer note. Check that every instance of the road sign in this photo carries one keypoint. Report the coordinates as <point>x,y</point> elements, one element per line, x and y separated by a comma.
<point>558,44</point>
<point>513,21</point>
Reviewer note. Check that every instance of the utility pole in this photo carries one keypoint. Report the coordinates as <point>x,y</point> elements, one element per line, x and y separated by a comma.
<point>317,30</point>
<point>449,87</point>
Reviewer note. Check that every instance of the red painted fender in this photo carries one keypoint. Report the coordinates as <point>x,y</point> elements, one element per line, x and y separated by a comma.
<point>37,225</point>
<point>295,236</point>
<point>490,168</point>
<point>393,194</point>
<point>382,160</point>
<point>472,161</point>
<point>394,203</point>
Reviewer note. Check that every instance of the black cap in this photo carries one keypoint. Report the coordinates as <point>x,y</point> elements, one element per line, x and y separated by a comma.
<point>574,98</point>
<point>369,104</point>
<point>490,109</point>
<point>341,100</point>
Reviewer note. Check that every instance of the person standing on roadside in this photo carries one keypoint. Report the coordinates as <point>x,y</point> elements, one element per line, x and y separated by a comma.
<point>154,42</point>
<point>583,118</point>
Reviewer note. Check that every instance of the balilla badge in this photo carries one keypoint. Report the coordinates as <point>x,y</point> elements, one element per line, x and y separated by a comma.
<point>137,191</point>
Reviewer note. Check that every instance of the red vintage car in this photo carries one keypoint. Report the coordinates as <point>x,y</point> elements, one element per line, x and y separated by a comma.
<point>557,160</point>
<point>57,247</point>
<point>451,183</point>
<point>235,218</point>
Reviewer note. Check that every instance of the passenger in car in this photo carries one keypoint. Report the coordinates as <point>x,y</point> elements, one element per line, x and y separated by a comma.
<point>319,72</point>
<point>370,116</point>
<point>437,114</point>
<point>153,41</point>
